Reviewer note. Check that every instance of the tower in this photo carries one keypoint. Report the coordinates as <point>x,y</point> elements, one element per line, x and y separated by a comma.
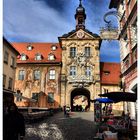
<point>80,73</point>
<point>80,17</point>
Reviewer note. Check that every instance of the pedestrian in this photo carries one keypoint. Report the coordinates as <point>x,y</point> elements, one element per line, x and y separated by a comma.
<point>65,110</point>
<point>13,124</point>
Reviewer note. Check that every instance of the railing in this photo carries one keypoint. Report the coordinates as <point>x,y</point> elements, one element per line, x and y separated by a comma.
<point>80,79</point>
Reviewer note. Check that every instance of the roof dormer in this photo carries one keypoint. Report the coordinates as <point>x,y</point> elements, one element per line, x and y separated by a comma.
<point>38,56</point>
<point>23,57</point>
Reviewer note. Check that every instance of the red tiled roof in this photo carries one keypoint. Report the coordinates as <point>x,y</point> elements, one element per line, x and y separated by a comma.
<point>42,48</point>
<point>113,70</point>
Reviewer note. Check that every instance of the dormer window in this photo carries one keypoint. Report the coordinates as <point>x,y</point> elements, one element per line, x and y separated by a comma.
<point>54,47</point>
<point>51,57</point>
<point>29,47</point>
<point>38,56</point>
<point>23,56</point>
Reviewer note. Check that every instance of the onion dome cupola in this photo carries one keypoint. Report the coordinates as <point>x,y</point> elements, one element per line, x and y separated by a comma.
<point>80,16</point>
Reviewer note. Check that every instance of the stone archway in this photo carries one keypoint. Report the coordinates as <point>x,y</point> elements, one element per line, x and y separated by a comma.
<point>82,93</point>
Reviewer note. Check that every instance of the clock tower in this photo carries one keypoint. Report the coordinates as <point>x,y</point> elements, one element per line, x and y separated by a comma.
<point>80,73</point>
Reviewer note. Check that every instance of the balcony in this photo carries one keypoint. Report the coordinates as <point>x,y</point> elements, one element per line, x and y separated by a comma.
<point>83,79</point>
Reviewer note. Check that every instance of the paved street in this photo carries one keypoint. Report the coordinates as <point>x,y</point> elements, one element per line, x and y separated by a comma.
<point>79,126</point>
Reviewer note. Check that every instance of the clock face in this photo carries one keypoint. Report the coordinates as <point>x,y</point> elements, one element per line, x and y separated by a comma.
<point>80,34</point>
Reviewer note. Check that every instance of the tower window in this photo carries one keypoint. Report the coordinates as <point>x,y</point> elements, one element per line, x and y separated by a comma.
<point>72,51</point>
<point>88,71</point>
<point>72,70</point>
<point>87,51</point>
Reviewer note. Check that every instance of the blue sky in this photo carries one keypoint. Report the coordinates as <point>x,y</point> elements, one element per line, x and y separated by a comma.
<point>46,20</point>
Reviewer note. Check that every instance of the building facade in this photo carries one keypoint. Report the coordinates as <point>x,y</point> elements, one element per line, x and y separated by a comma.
<point>38,74</point>
<point>9,70</point>
<point>127,14</point>
<point>65,73</point>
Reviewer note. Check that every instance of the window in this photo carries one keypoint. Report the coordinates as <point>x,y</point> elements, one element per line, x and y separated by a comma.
<point>51,57</point>
<point>53,48</point>
<point>23,57</point>
<point>18,98</point>
<point>134,54</point>
<point>35,96</point>
<point>36,75</point>
<point>105,90</point>
<point>87,51</point>
<point>50,97</point>
<point>12,62</point>
<point>6,56</point>
<point>72,52</point>
<point>38,56</point>
<point>10,83</point>
<point>29,47</point>
<point>21,75</point>
<point>72,70</point>
<point>88,71</point>
<point>4,80</point>
<point>52,74</point>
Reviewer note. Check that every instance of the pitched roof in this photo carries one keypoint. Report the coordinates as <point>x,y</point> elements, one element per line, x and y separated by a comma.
<point>73,31</point>
<point>110,73</point>
<point>10,45</point>
<point>42,48</point>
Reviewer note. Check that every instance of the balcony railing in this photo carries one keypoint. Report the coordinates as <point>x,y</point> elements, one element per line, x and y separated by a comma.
<point>80,79</point>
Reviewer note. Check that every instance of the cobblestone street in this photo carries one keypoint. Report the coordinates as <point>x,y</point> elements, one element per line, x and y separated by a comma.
<point>79,126</point>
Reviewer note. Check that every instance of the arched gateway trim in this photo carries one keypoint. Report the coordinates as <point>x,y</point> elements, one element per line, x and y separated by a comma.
<point>79,91</point>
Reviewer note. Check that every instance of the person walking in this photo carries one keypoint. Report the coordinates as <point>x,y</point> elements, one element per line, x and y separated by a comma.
<point>13,124</point>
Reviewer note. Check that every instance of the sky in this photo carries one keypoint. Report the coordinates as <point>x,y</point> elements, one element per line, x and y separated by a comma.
<point>46,20</point>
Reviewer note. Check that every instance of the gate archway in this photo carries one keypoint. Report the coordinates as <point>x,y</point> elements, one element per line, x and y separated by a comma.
<point>80,94</point>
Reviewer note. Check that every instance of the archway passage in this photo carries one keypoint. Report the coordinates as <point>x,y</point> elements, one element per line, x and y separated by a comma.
<point>80,99</point>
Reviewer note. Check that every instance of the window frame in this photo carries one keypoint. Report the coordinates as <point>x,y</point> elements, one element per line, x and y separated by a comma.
<point>88,71</point>
<point>50,98</point>
<point>38,56</point>
<point>21,75</point>
<point>23,57</point>
<point>87,51</point>
<point>52,74</point>
<point>4,80</point>
<point>37,74</point>
<point>73,70</point>
<point>12,62</point>
<point>72,52</point>
<point>10,83</point>
<point>6,57</point>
